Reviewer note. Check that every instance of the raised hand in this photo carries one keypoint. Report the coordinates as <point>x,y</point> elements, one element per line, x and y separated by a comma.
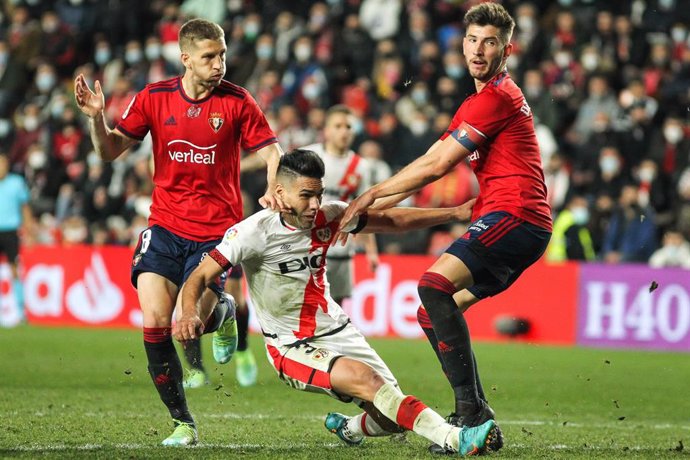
<point>88,102</point>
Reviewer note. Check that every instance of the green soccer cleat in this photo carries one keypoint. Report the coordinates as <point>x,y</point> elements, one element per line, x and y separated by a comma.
<point>184,435</point>
<point>245,369</point>
<point>195,378</point>
<point>225,338</point>
<point>337,423</point>
<point>473,440</point>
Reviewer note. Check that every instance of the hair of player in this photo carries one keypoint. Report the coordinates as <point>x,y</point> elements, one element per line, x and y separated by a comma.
<point>338,109</point>
<point>491,14</point>
<point>196,30</point>
<point>301,163</point>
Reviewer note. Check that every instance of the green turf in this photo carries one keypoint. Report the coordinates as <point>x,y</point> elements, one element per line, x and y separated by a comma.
<point>86,394</point>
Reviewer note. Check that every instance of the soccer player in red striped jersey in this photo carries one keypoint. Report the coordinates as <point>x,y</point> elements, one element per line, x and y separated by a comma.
<point>198,123</point>
<point>511,226</point>
<point>309,339</point>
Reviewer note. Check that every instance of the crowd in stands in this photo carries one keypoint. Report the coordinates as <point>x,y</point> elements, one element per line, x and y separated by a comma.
<point>608,84</point>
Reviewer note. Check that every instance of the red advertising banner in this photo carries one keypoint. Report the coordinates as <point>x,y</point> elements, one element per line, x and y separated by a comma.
<point>385,303</point>
<point>89,286</point>
<point>79,286</point>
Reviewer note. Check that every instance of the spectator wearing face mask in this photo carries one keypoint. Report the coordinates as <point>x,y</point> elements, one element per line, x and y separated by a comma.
<point>670,146</point>
<point>305,79</point>
<point>674,252</point>
<point>656,191</point>
<point>632,232</point>
<point>57,43</point>
<point>611,176</point>
<point>571,239</point>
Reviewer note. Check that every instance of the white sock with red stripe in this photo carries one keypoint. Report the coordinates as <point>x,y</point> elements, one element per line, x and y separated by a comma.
<point>412,414</point>
<point>364,425</point>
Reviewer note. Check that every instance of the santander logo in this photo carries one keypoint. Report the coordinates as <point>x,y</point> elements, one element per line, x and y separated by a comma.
<point>186,152</point>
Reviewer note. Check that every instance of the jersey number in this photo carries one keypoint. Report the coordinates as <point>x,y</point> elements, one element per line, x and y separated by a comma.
<point>145,240</point>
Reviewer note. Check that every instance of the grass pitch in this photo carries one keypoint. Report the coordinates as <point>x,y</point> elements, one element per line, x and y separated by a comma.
<point>81,393</point>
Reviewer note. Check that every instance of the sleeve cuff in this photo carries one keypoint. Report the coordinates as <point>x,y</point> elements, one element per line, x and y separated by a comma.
<point>220,259</point>
<point>361,223</point>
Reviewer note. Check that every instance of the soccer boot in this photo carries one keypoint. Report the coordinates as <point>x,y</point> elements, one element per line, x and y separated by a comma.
<point>474,440</point>
<point>245,368</point>
<point>484,414</point>
<point>337,423</point>
<point>184,435</point>
<point>225,338</point>
<point>195,378</point>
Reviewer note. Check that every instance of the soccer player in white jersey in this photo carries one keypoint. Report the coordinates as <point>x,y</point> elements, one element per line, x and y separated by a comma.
<point>309,339</point>
<point>347,175</point>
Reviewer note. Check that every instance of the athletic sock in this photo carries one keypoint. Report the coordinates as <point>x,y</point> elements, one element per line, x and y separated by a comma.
<point>364,425</point>
<point>166,371</point>
<point>436,293</point>
<point>428,329</point>
<point>412,414</point>
<point>192,352</point>
<point>242,317</point>
<point>220,313</point>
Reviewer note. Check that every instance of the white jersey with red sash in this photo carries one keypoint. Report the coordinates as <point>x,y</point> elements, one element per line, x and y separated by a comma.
<point>285,269</point>
<point>346,178</point>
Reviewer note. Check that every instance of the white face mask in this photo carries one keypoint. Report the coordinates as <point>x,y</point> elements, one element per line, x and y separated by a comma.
<point>419,127</point>
<point>673,134</point>
<point>580,215</point>
<point>31,123</point>
<point>37,159</point>
<point>590,61</point>
<point>562,59</point>
<point>153,51</point>
<point>646,174</point>
<point>609,165</point>
<point>303,53</point>
<point>311,91</point>
<point>525,23</point>
<point>678,34</point>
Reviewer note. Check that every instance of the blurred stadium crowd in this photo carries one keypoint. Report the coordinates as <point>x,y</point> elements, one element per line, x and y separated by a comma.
<point>608,83</point>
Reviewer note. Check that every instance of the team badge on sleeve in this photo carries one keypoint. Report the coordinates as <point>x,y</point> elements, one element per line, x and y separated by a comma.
<point>231,234</point>
<point>216,121</point>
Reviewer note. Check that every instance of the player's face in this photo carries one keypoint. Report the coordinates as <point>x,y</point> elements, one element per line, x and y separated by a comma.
<point>484,52</point>
<point>338,131</point>
<point>303,196</point>
<point>206,61</point>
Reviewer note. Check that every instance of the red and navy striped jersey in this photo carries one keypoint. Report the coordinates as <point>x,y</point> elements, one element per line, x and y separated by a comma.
<point>497,126</point>
<point>196,151</point>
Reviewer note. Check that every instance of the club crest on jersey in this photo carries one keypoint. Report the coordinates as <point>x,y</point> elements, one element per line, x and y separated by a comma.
<point>193,111</point>
<point>320,354</point>
<point>216,121</point>
<point>323,234</point>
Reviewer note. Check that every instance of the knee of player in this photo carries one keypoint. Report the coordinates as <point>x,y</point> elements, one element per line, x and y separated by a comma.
<point>366,381</point>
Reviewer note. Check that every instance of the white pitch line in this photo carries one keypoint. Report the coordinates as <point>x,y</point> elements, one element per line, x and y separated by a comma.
<point>233,446</point>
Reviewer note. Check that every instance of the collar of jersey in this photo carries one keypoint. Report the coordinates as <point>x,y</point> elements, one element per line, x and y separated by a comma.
<point>189,99</point>
<point>288,226</point>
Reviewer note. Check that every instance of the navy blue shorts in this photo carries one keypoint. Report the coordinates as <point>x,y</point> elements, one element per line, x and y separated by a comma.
<point>171,256</point>
<point>497,248</point>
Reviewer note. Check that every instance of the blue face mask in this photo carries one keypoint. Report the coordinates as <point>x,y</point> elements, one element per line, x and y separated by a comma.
<point>264,52</point>
<point>45,81</point>
<point>580,215</point>
<point>102,56</point>
<point>455,71</point>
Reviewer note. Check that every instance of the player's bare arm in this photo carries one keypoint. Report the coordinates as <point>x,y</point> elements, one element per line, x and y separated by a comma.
<point>424,170</point>
<point>271,155</point>
<point>405,219</point>
<point>109,144</point>
<point>190,326</point>
<point>392,200</point>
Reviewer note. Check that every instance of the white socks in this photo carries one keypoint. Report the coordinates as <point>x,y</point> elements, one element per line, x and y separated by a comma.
<point>412,414</point>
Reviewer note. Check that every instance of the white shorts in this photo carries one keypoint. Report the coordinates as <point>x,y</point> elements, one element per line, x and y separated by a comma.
<point>340,277</point>
<point>307,367</point>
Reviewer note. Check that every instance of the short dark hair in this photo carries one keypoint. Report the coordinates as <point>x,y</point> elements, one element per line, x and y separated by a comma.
<point>301,163</point>
<point>197,30</point>
<point>491,14</point>
<point>338,108</point>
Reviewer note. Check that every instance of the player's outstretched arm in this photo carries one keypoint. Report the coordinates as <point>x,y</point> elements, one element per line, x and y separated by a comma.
<point>405,219</point>
<point>190,326</point>
<point>436,163</point>
<point>109,144</point>
<point>271,155</point>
